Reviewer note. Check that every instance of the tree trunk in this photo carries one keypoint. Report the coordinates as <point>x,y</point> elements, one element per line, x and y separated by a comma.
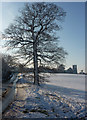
<point>35,60</point>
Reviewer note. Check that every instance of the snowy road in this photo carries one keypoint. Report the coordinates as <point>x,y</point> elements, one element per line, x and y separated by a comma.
<point>51,100</point>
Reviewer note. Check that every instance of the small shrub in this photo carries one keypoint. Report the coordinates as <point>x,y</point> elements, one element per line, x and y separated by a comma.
<point>6,72</point>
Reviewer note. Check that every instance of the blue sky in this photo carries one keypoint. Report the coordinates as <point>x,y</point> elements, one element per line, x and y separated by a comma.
<point>72,36</point>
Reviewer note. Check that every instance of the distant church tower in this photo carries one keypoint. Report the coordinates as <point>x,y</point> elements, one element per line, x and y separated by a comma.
<point>75,69</point>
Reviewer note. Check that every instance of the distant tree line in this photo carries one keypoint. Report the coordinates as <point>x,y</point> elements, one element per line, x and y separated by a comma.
<point>10,66</point>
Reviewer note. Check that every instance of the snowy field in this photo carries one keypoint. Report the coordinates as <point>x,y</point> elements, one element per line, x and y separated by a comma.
<point>74,81</point>
<point>62,97</point>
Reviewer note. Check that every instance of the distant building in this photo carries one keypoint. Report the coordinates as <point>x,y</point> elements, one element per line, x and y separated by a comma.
<point>75,69</point>
<point>69,70</point>
<point>72,70</point>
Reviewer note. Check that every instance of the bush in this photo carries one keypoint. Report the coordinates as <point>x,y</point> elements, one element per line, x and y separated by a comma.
<point>6,72</point>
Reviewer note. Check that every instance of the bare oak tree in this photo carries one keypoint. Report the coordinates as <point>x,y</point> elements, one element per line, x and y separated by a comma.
<point>33,33</point>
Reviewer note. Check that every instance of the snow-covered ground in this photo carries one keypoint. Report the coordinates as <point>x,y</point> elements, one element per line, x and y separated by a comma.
<point>74,81</point>
<point>62,97</point>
